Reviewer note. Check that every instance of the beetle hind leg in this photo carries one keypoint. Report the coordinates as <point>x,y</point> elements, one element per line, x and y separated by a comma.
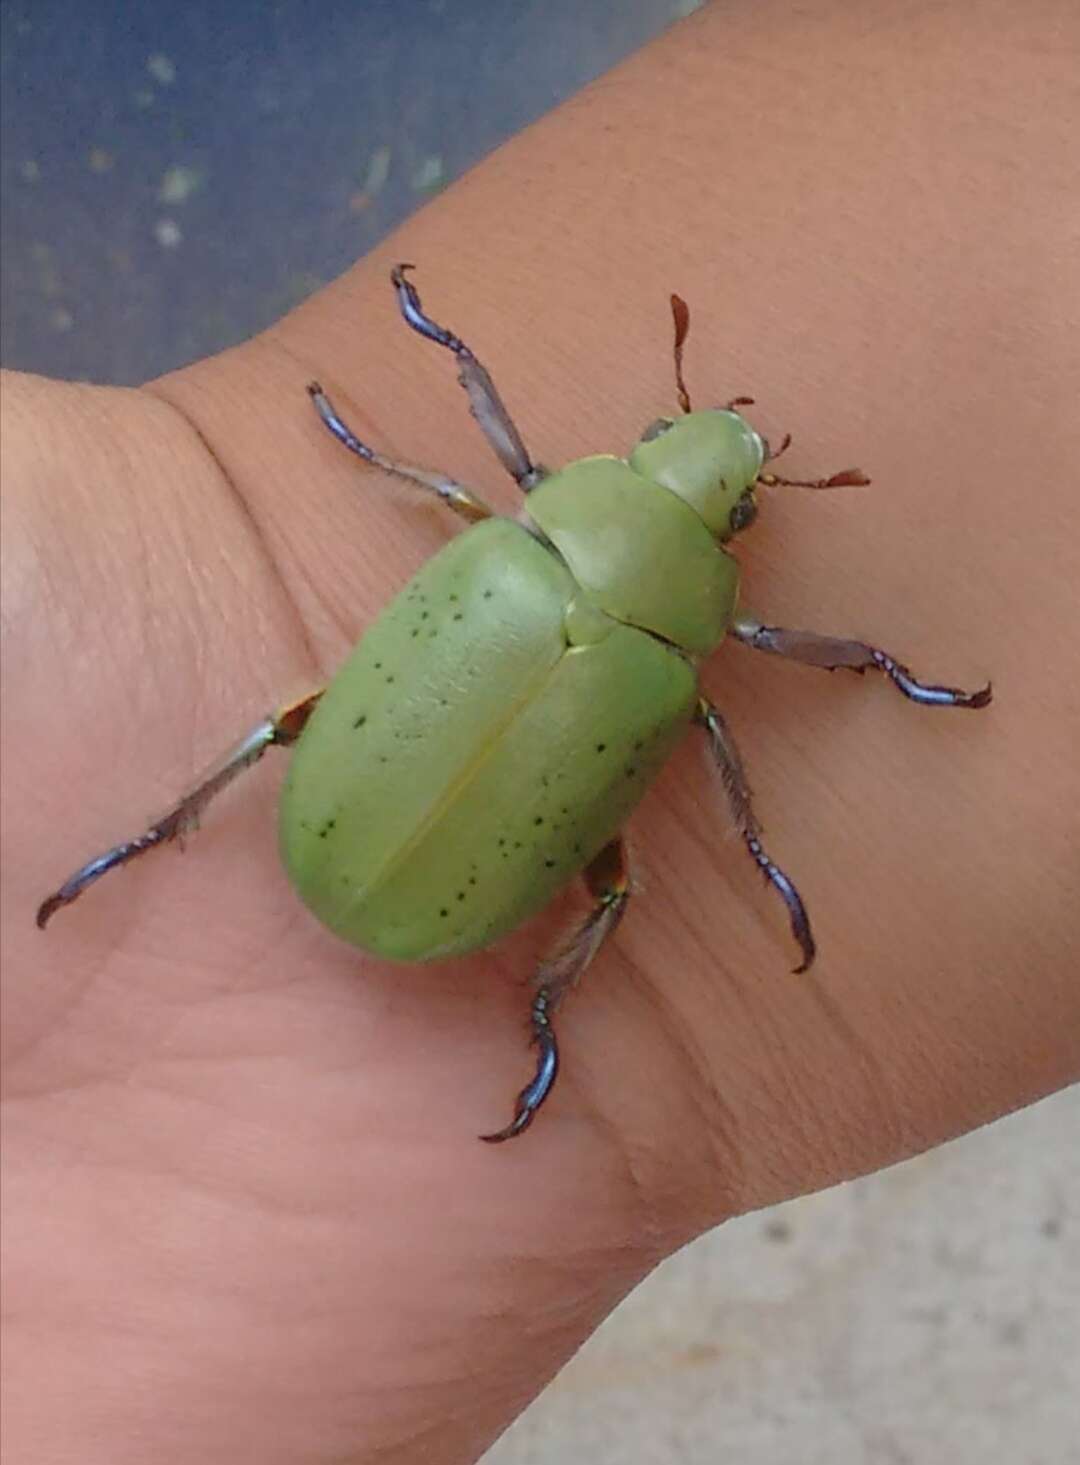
<point>608,879</point>
<point>277,731</point>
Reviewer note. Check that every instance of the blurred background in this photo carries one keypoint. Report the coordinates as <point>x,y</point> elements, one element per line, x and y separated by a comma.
<point>928,1315</point>
<point>174,177</point>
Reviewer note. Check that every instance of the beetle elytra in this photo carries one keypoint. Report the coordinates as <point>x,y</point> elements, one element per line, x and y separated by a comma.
<point>497,724</point>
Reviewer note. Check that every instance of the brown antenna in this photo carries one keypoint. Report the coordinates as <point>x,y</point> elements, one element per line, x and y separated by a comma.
<point>680,312</point>
<point>849,478</point>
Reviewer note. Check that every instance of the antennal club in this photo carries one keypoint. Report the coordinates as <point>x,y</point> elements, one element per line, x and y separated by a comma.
<point>680,312</point>
<point>770,456</point>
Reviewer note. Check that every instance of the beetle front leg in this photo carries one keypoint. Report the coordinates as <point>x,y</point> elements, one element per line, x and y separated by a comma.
<point>453,494</point>
<point>484,401</point>
<point>277,731</point>
<point>608,879</point>
<point>832,652</point>
<point>724,751</point>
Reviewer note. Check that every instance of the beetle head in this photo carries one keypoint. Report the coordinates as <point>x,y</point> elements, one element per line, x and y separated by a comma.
<point>711,459</point>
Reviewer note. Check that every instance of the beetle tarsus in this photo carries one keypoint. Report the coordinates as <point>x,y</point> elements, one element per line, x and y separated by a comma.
<point>832,653</point>
<point>485,403</point>
<point>183,818</point>
<point>100,865</point>
<point>453,494</point>
<point>48,908</point>
<point>740,800</point>
<point>926,694</point>
<point>607,876</point>
<point>547,1069</point>
<point>785,888</point>
<point>413,311</point>
<point>334,423</point>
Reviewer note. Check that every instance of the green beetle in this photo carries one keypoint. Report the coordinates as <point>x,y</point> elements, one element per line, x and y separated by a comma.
<point>493,730</point>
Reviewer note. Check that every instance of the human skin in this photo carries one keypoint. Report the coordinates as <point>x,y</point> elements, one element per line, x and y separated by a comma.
<point>246,1215</point>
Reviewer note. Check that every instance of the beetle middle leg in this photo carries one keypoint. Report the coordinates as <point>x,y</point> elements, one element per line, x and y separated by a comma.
<point>833,652</point>
<point>453,494</point>
<point>608,880</point>
<point>484,401</point>
<point>724,751</point>
<point>279,730</point>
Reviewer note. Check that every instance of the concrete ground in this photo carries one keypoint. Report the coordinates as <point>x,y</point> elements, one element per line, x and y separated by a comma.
<point>928,1314</point>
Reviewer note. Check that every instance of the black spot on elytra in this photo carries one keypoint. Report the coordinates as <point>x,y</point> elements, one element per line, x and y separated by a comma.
<point>488,594</point>
<point>444,913</point>
<point>549,864</point>
<point>601,747</point>
<point>359,721</point>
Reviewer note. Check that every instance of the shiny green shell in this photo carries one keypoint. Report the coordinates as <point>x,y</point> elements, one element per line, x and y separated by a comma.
<point>502,717</point>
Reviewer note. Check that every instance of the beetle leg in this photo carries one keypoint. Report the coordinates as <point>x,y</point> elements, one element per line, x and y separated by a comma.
<point>608,879</point>
<point>484,401</point>
<point>277,731</point>
<point>453,494</point>
<point>832,652</point>
<point>726,754</point>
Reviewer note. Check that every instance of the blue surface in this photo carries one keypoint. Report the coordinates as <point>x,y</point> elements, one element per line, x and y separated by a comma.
<point>174,177</point>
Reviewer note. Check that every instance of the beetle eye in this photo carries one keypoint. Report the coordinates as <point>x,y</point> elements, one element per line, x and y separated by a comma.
<point>744,513</point>
<point>657,429</point>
